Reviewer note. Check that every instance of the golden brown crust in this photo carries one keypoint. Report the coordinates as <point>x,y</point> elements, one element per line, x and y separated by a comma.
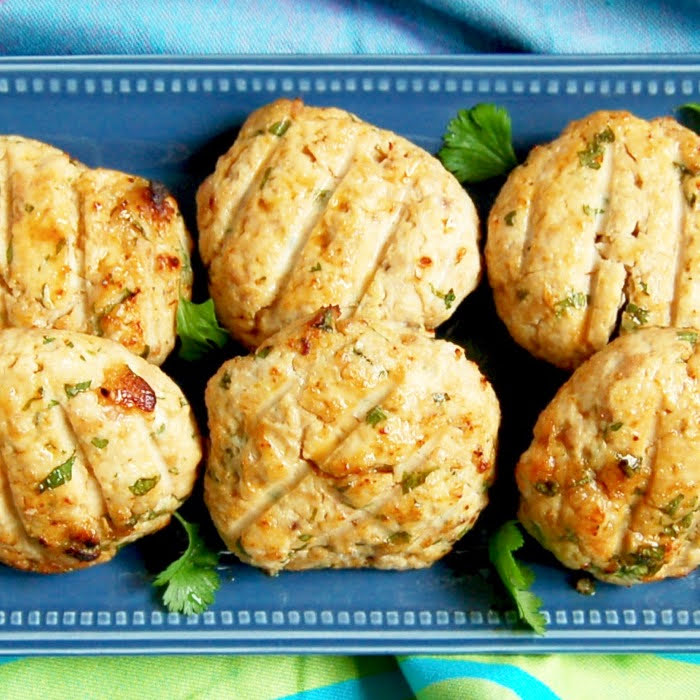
<point>95,251</point>
<point>598,229</point>
<point>311,206</point>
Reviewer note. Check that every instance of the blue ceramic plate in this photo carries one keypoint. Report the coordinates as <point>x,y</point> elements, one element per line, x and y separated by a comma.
<point>168,119</point>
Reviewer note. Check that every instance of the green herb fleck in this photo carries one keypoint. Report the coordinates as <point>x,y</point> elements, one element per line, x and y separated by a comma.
<point>400,537</point>
<point>305,538</point>
<point>592,211</point>
<point>581,482</point>
<point>672,506</point>
<point>522,294</point>
<point>478,144</point>
<point>99,443</point>
<point>29,208</point>
<point>547,487</point>
<point>143,485</point>
<point>265,177</point>
<point>592,155</point>
<point>413,479</point>
<point>575,300</point>
<point>263,352</point>
<point>48,339</point>
<point>510,217</point>
<point>186,268</point>
<point>646,561</point>
<point>327,320</point>
<point>58,476</point>
<point>689,336</point>
<point>635,317</point>
<point>60,245</point>
<point>280,128</point>
<point>52,403</point>
<point>375,415</point>
<point>675,529</point>
<point>123,296</point>
<point>10,253</point>
<point>153,514</point>
<point>570,536</point>
<point>612,428</point>
<point>198,329</point>
<point>447,297</point>
<point>516,578</point>
<point>322,196</point>
<point>645,287</point>
<point>315,268</point>
<point>75,389</point>
<point>191,581</point>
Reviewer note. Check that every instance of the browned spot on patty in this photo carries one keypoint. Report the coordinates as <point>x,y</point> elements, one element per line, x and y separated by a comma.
<point>125,388</point>
<point>167,262</point>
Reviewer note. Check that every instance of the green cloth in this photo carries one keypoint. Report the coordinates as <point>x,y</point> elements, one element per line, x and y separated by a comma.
<point>481,677</point>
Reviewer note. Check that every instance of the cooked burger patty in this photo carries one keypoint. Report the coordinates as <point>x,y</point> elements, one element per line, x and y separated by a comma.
<point>598,233</point>
<point>97,448</point>
<point>96,251</point>
<point>312,206</point>
<point>348,443</point>
<point>611,482</point>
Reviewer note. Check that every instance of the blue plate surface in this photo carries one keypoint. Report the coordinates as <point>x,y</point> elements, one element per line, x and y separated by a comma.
<point>168,119</point>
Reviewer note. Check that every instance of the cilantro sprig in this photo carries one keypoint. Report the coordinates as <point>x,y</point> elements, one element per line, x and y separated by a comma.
<point>191,581</point>
<point>478,144</point>
<point>516,578</point>
<point>198,329</point>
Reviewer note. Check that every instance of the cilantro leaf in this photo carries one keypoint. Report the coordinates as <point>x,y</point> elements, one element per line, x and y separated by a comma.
<point>375,415</point>
<point>516,577</point>
<point>198,329</point>
<point>478,144</point>
<point>58,476</point>
<point>191,580</point>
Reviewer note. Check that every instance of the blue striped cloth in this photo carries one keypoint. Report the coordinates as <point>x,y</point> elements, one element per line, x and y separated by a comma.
<point>380,27</point>
<point>333,26</point>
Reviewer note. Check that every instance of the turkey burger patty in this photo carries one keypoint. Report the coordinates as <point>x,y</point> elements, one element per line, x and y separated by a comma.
<point>95,251</point>
<point>348,443</point>
<point>312,206</point>
<point>97,448</point>
<point>611,482</point>
<point>598,233</point>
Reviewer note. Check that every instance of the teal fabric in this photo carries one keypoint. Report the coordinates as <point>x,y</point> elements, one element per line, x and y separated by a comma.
<point>332,26</point>
<point>381,27</point>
